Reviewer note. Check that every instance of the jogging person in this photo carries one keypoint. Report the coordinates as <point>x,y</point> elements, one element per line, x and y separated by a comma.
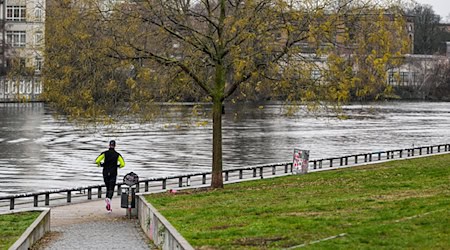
<point>110,160</point>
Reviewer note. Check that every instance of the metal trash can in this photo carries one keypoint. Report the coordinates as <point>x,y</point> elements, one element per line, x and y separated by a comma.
<point>130,179</point>
<point>124,197</point>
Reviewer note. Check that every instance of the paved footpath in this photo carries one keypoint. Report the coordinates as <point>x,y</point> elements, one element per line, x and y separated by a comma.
<point>88,225</point>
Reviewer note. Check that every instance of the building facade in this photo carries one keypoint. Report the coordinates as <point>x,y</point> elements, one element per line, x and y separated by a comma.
<point>21,49</point>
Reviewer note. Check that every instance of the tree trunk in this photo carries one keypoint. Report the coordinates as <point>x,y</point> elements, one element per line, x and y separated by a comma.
<point>217,179</point>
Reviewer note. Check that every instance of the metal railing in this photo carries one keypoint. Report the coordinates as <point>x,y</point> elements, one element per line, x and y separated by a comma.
<point>229,175</point>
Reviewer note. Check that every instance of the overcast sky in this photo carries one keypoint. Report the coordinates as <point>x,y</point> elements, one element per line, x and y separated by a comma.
<point>440,7</point>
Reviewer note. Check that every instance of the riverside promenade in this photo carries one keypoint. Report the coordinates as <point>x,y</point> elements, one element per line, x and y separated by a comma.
<point>87,225</point>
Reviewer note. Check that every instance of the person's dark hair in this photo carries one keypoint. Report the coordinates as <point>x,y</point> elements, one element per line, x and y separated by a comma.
<point>112,143</point>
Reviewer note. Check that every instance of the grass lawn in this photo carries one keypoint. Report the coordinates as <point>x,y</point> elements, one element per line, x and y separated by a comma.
<point>12,226</point>
<point>395,205</point>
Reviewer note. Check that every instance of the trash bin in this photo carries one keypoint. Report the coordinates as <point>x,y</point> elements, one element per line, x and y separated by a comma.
<point>124,197</point>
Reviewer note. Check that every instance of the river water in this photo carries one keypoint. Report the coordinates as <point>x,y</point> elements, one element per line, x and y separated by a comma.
<point>39,151</point>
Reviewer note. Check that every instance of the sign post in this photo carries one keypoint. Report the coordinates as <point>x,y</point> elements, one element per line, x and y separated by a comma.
<point>300,163</point>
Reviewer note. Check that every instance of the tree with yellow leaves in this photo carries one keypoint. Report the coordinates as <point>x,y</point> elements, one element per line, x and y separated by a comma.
<point>306,52</point>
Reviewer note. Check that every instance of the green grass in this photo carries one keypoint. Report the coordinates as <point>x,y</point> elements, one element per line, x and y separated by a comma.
<point>395,205</point>
<point>12,226</point>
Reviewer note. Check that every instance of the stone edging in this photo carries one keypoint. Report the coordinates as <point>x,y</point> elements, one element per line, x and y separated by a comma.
<point>158,228</point>
<point>35,231</point>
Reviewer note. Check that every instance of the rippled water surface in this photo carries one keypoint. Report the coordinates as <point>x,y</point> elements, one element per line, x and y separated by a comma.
<point>40,152</point>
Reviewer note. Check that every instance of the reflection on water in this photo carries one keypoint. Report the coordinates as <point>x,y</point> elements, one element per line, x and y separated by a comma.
<point>39,152</point>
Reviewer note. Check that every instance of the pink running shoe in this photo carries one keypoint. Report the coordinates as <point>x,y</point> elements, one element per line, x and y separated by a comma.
<point>108,204</point>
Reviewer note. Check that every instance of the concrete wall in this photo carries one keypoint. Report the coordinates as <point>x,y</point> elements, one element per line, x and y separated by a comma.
<point>157,228</point>
<point>35,231</point>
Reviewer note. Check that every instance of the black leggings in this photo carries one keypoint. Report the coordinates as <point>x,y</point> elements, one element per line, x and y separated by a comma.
<point>110,183</point>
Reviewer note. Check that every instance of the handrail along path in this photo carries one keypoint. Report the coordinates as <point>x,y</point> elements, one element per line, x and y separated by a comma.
<point>229,175</point>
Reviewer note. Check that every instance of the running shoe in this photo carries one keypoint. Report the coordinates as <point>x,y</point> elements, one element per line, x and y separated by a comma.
<point>108,204</point>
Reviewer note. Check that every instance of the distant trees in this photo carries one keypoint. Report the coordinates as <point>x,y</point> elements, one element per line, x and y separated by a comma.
<point>108,59</point>
<point>429,37</point>
<point>438,86</point>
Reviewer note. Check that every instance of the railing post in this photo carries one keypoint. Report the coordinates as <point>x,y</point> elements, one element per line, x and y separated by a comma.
<point>420,151</point>
<point>365,157</point>
<point>370,157</point>
<point>315,165</point>
<point>90,193</point>
<point>379,156</point>
<point>254,172</point>
<point>346,160</point>
<point>164,184</point>
<point>356,159</point>
<point>203,178</point>
<point>47,199</point>
<point>69,196</point>
<point>36,200</point>
<point>320,164</point>
<point>146,186</point>
<point>400,153</point>
<point>341,161</point>
<point>99,192</point>
<point>331,162</point>
<point>431,148</point>
<point>240,174</point>
<point>439,148</point>
<point>180,181</point>
<point>274,169</point>
<point>387,154</point>
<point>226,175</point>
<point>11,204</point>
<point>261,172</point>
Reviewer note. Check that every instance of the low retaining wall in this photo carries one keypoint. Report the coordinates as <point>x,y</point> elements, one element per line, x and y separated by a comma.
<point>158,228</point>
<point>35,231</point>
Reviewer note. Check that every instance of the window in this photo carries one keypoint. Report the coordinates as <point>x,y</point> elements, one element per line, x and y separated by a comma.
<point>22,87</point>
<point>22,63</point>
<point>38,38</point>
<point>38,64</point>
<point>7,87</point>
<point>15,13</point>
<point>404,78</point>
<point>29,87</point>
<point>391,78</point>
<point>315,74</point>
<point>16,38</point>
<point>37,87</point>
<point>38,14</point>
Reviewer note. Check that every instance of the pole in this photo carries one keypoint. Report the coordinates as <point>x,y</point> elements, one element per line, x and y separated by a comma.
<point>130,199</point>
<point>4,4</point>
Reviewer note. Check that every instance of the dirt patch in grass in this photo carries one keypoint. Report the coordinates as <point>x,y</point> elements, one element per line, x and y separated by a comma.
<point>309,213</point>
<point>221,227</point>
<point>258,241</point>
<point>405,195</point>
